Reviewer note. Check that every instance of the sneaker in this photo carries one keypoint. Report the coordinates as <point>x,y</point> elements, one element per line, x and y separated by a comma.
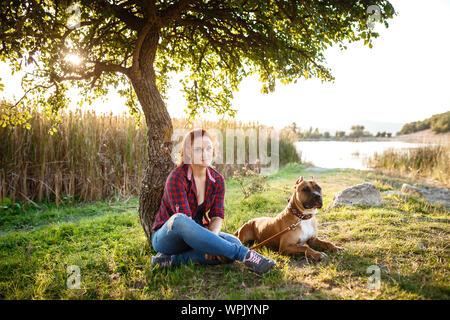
<point>257,262</point>
<point>161,259</point>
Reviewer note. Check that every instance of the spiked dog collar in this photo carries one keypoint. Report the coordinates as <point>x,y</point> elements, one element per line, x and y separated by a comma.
<point>297,213</point>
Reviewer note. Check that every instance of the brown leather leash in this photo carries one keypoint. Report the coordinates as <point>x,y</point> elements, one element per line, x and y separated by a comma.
<point>297,213</point>
<point>276,235</point>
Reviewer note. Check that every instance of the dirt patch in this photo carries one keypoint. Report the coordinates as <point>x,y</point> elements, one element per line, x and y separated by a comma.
<point>316,169</point>
<point>425,136</point>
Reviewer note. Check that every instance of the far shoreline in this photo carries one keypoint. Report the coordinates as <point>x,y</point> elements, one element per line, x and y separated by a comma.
<point>425,136</point>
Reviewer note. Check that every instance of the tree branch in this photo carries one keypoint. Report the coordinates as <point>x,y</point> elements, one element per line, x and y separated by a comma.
<point>31,89</point>
<point>132,21</point>
<point>174,11</point>
<point>99,68</point>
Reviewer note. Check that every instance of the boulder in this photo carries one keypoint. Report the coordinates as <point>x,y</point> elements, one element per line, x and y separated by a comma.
<point>364,193</point>
<point>393,192</point>
<point>431,194</point>
<point>407,188</point>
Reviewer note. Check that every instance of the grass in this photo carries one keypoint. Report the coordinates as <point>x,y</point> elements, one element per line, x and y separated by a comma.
<point>107,242</point>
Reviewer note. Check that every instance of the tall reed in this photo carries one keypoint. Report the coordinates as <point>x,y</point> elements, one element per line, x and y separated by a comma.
<point>89,157</point>
<point>431,161</point>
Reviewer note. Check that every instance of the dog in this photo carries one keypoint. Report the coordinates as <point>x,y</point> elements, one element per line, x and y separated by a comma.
<point>302,209</point>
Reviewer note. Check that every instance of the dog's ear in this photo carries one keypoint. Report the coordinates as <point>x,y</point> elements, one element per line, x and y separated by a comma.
<point>312,178</point>
<point>299,180</point>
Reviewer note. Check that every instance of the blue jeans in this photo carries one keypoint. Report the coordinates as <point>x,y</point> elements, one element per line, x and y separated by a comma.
<point>186,241</point>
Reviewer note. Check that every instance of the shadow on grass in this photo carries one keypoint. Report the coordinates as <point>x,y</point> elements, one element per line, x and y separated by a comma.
<point>416,284</point>
<point>229,281</point>
<point>49,213</point>
<point>292,278</point>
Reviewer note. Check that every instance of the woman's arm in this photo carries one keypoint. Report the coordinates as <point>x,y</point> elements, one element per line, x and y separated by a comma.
<point>215,225</point>
<point>218,206</point>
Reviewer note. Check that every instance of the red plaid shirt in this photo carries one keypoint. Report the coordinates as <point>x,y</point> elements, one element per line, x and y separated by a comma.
<point>180,195</point>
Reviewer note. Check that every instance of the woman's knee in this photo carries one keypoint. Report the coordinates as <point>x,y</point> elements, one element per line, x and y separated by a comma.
<point>230,238</point>
<point>178,219</point>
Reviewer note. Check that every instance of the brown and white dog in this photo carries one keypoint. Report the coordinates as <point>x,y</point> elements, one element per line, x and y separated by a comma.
<point>302,208</point>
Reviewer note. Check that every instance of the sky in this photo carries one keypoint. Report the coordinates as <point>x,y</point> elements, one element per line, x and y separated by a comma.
<point>403,78</point>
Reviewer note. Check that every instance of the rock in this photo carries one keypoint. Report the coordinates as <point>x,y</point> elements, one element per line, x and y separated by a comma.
<point>420,245</point>
<point>364,193</point>
<point>393,192</point>
<point>407,188</point>
<point>430,194</point>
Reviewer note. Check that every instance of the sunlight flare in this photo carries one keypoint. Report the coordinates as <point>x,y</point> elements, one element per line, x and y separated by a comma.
<point>73,59</point>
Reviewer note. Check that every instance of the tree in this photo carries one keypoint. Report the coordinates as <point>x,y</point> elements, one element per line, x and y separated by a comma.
<point>357,131</point>
<point>137,43</point>
<point>316,133</point>
<point>340,134</point>
<point>438,123</point>
<point>295,128</point>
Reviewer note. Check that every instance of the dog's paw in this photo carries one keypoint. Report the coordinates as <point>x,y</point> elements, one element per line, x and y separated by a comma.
<point>335,248</point>
<point>319,256</point>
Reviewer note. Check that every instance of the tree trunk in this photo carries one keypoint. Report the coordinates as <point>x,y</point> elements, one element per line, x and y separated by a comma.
<point>159,132</point>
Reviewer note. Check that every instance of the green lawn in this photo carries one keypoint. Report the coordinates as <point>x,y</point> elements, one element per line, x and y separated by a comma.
<point>408,239</point>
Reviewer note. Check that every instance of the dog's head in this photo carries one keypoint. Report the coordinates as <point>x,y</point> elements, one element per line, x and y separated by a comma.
<point>308,194</point>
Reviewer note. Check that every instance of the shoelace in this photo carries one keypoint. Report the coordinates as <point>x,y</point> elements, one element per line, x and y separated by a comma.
<point>253,258</point>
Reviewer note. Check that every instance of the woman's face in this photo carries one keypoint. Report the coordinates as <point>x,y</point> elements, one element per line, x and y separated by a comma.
<point>201,151</point>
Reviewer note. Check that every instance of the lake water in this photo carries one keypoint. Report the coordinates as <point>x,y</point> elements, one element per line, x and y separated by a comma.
<point>346,154</point>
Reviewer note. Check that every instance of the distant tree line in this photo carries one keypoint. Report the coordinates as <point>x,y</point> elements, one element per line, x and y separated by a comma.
<point>438,123</point>
<point>295,133</point>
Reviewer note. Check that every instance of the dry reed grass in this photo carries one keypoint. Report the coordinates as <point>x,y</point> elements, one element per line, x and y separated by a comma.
<point>90,157</point>
<point>431,161</point>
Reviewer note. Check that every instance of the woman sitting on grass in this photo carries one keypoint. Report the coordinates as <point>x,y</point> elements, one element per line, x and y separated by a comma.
<point>182,232</point>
